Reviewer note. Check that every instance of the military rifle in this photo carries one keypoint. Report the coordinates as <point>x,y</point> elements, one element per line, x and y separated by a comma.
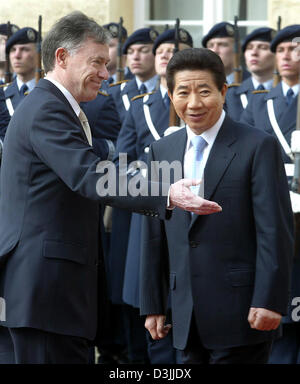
<point>276,74</point>
<point>39,71</point>
<point>8,74</point>
<point>237,53</point>
<point>120,68</point>
<point>174,120</point>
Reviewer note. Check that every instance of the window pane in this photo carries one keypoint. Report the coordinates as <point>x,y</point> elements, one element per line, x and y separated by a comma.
<point>171,9</point>
<point>246,9</point>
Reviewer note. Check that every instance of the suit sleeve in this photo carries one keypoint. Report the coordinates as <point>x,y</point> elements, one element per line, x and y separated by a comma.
<point>274,228</point>
<point>57,139</point>
<point>154,268</point>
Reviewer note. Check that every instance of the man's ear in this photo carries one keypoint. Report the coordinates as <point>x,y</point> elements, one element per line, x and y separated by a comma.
<point>224,90</point>
<point>61,55</point>
<point>170,95</point>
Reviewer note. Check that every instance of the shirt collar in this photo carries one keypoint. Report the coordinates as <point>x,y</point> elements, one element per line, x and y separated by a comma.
<point>163,90</point>
<point>150,84</point>
<point>286,87</point>
<point>67,95</point>
<point>267,84</point>
<point>30,84</point>
<point>209,135</point>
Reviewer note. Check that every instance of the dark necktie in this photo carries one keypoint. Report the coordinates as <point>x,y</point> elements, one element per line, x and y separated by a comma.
<point>289,96</point>
<point>23,89</point>
<point>166,101</point>
<point>260,87</point>
<point>143,89</point>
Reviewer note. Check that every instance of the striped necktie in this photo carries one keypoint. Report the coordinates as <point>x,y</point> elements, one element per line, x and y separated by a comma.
<point>86,127</point>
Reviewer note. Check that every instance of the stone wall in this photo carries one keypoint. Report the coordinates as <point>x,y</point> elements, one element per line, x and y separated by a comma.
<point>26,12</point>
<point>289,10</point>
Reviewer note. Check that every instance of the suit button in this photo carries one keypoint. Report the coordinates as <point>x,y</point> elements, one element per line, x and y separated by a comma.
<point>193,244</point>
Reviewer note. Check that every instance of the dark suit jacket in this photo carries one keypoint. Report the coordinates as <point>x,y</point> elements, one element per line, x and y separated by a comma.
<point>222,264</point>
<point>49,218</point>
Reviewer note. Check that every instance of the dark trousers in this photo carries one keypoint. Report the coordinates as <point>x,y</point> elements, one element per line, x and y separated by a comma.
<point>286,350</point>
<point>32,346</point>
<point>196,353</point>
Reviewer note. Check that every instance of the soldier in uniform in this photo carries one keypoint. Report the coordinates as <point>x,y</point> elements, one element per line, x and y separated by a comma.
<point>146,121</point>
<point>275,112</point>
<point>3,38</point>
<point>23,58</point>
<point>260,62</point>
<point>220,39</point>
<point>140,60</point>
<point>113,28</point>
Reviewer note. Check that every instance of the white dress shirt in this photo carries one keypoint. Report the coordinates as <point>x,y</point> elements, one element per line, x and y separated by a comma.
<point>75,106</point>
<point>286,87</point>
<point>209,136</point>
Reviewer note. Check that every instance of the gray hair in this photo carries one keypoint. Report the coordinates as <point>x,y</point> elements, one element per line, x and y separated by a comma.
<point>70,32</point>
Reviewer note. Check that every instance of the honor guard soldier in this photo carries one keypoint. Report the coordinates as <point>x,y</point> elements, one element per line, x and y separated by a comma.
<point>275,112</point>
<point>260,62</point>
<point>3,38</point>
<point>146,121</point>
<point>4,114</point>
<point>112,66</point>
<point>220,39</point>
<point>140,60</point>
<point>23,58</point>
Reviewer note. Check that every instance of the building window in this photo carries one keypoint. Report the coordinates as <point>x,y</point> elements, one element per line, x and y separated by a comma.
<point>198,16</point>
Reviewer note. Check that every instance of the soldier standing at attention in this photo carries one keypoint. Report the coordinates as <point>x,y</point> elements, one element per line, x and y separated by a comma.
<point>23,58</point>
<point>220,39</point>
<point>275,111</point>
<point>260,62</point>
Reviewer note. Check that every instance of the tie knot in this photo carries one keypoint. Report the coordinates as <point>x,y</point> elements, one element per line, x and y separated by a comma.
<point>143,89</point>
<point>198,143</point>
<point>23,89</point>
<point>260,87</point>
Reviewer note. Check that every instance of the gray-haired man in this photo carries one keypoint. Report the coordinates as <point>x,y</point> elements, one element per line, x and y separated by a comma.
<point>50,253</point>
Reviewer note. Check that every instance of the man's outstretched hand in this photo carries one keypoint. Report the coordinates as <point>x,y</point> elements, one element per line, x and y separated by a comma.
<point>182,197</point>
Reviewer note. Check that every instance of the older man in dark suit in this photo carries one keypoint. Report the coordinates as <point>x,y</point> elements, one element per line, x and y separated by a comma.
<point>229,274</point>
<point>50,250</point>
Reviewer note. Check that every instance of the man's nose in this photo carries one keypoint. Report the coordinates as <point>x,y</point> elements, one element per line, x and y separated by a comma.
<point>103,73</point>
<point>194,101</point>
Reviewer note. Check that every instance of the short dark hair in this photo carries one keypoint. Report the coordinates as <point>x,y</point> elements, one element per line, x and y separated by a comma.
<point>196,59</point>
<point>70,32</point>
